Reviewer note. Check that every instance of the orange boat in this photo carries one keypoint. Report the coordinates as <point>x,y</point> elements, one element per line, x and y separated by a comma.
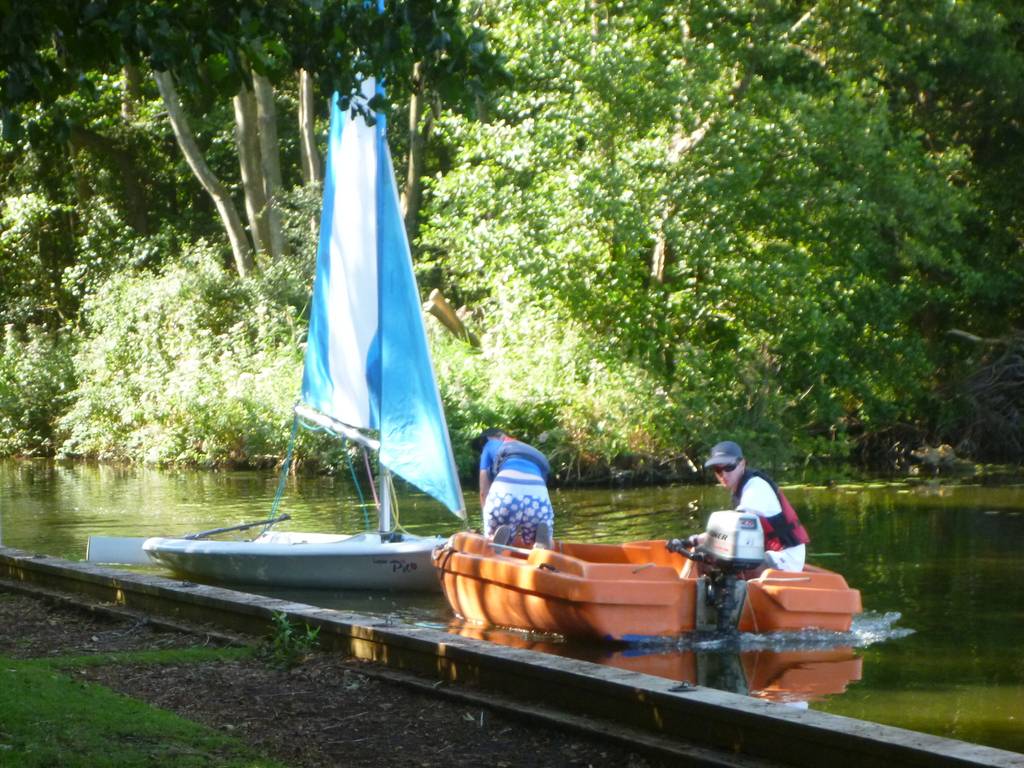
<point>628,592</point>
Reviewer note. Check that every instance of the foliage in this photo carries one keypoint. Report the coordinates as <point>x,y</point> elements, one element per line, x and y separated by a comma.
<point>990,418</point>
<point>27,226</point>
<point>189,365</point>
<point>288,645</point>
<point>670,222</point>
<point>554,392</point>
<point>210,47</point>
<point>82,204</point>
<point>36,380</point>
<point>812,235</point>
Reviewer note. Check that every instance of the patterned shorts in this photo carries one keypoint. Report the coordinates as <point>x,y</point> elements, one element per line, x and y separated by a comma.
<point>522,505</point>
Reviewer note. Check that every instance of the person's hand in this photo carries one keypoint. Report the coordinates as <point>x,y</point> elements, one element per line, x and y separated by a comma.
<point>678,545</point>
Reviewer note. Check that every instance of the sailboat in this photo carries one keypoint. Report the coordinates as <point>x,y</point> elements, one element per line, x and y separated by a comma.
<point>368,378</point>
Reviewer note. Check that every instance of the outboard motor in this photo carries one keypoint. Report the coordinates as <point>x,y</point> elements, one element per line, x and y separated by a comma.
<point>733,543</point>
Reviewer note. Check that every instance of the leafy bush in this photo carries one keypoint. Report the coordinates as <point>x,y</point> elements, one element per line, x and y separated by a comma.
<point>36,384</point>
<point>191,365</point>
<point>547,385</point>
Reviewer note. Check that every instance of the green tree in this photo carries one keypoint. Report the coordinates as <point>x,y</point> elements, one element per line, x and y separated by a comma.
<point>202,54</point>
<point>745,201</point>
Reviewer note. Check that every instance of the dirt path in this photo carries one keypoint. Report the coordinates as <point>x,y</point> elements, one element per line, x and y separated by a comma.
<point>328,711</point>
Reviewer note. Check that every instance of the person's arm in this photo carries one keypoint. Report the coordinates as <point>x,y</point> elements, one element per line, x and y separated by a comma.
<point>759,498</point>
<point>485,486</point>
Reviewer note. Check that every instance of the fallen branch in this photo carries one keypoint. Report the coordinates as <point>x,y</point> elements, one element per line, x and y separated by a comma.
<point>439,307</point>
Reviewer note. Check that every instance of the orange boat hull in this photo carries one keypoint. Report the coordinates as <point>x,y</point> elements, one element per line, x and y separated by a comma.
<point>622,592</point>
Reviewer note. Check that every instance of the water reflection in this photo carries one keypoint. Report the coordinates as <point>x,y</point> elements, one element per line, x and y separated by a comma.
<point>791,677</point>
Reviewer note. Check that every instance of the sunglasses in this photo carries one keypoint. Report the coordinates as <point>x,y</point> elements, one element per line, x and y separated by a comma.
<point>721,470</point>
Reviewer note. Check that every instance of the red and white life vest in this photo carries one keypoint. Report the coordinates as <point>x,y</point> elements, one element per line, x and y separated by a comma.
<point>782,530</point>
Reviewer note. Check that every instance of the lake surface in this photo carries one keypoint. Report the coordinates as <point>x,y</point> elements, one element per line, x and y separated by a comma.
<point>939,563</point>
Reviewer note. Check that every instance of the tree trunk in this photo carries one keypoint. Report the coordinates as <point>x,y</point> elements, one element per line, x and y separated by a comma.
<point>128,169</point>
<point>270,156</point>
<point>311,168</point>
<point>132,91</point>
<point>412,195</point>
<point>661,256</point>
<point>83,192</point>
<point>240,247</point>
<point>438,306</point>
<point>247,141</point>
<point>595,20</point>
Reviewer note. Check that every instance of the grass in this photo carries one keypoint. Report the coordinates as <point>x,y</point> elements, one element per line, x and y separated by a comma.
<point>47,718</point>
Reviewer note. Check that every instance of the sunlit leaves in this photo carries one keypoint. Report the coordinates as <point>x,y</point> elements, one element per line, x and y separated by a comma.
<point>813,225</point>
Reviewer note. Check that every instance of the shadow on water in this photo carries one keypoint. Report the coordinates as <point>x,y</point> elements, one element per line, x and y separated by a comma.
<point>944,556</point>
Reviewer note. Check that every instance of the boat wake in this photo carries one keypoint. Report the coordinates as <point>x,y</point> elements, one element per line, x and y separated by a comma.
<point>867,629</point>
<point>871,628</point>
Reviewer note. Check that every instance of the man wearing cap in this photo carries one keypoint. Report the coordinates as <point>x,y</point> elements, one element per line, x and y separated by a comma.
<point>785,538</point>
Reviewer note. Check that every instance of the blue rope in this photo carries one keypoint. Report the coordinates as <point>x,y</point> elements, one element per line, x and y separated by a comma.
<point>285,465</point>
<point>355,481</point>
<point>348,458</point>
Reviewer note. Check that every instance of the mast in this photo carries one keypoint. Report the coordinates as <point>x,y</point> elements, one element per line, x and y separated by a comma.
<point>384,508</point>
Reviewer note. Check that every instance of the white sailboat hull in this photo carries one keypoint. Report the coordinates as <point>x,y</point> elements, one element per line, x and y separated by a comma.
<point>304,560</point>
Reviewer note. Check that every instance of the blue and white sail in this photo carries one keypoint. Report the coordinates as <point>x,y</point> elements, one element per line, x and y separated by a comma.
<point>367,361</point>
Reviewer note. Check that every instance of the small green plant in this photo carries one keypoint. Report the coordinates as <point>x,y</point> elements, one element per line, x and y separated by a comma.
<point>288,645</point>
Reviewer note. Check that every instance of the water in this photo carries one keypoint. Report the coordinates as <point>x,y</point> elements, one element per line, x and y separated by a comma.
<point>938,563</point>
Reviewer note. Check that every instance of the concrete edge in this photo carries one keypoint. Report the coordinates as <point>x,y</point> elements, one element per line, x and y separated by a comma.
<point>704,717</point>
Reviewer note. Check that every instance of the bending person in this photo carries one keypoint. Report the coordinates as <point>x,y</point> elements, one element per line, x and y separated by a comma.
<point>785,538</point>
<point>514,491</point>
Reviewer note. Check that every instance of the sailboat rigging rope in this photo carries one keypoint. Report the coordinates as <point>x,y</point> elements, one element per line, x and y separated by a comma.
<point>394,504</point>
<point>285,465</point>
<point>299,422</point>
<point>355,481</point>
<point>348,460</point>
<point>369,473</point>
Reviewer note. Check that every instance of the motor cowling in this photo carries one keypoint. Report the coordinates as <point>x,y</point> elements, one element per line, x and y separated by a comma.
<point>733,541</point>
